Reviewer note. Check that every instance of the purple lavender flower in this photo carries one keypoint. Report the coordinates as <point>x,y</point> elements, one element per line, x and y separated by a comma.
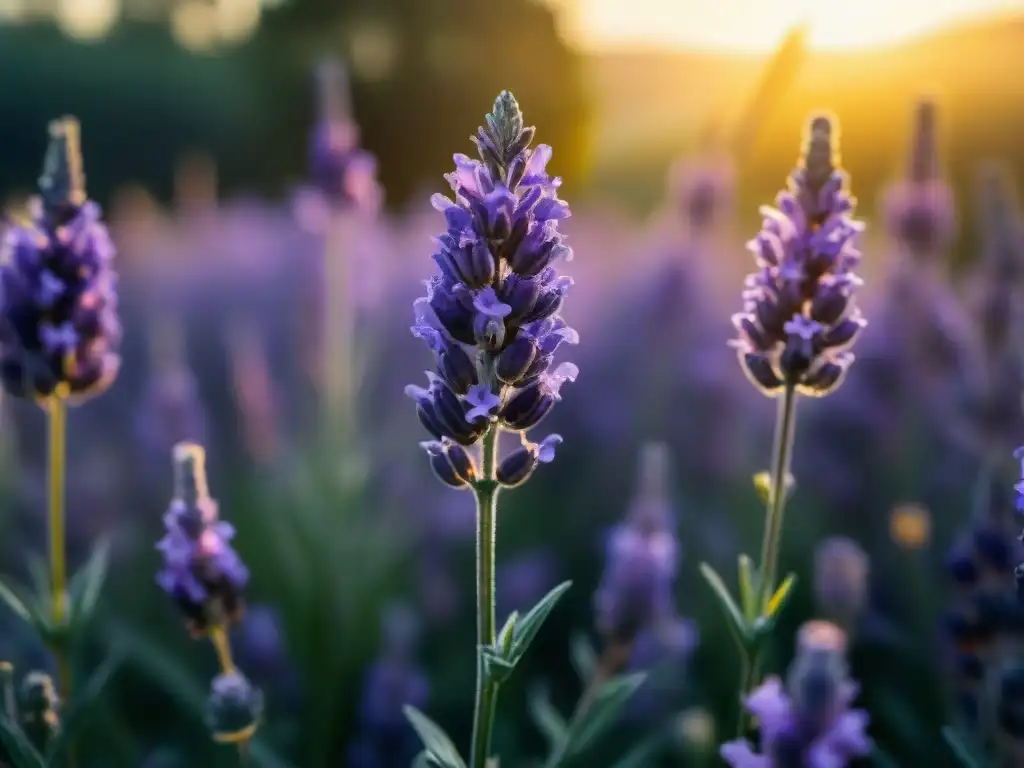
<point>799,316</point>
<point>490,315</point>
<point>702,188</point>
<point>201,572</point>
<point>641,561</point>
<point>919,209</point>
<point>344,174</point>
<point>808,722</point>
<point>59,331</point>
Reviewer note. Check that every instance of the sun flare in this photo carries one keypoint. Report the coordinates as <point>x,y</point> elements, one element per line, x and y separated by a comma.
<point>758,25</point>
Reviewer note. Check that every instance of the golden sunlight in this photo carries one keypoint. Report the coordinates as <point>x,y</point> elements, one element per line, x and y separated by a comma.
<point>758,25</point>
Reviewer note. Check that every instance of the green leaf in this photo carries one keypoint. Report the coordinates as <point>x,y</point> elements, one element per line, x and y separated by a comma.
<point>960,748</point>
<point>87,584</point>
<point>439,747</point>
<point>504,639</point>
<point>602,712</point>
<point>583,657</point>
<point>9,594</point>
<point>496,666</point>
<point>526,629</point>
<point>422,761</point>
<point>734,617</point>
<point>750,585</point>
<point>22,753</point>
<point>83,705</point>
<point>643,754</point>
<point>547,719</point>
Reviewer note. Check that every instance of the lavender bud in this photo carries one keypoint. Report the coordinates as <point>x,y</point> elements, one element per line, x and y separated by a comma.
<point>39,708</point>
<point>799,314</point>
<point>451,463</point>
<point>497,290</point>
<point>201,572</point>
<point>59,330</point>
<point>234,708</point>
<point>516,468</point>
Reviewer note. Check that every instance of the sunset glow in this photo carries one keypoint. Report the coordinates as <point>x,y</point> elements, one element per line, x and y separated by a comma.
<point>757,25</point>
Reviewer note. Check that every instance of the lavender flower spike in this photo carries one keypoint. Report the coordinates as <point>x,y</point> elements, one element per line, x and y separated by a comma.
<point>201,572</point>
<point>59,331</point>
<point>799,317</point>
<point>490,315</point>
<point>808,721</point>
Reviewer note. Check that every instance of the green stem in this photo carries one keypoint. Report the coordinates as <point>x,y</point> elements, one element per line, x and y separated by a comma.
<point>56,413</point>
<point>486,491</point>
<point>337,357</point>
<point>782,453</point>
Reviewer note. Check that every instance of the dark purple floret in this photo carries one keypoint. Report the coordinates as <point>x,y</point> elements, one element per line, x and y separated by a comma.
<point>808,722</point>
<point>201,572</point>
<point>490,315</point>
<point>59,330</point>
<point>799,317</point>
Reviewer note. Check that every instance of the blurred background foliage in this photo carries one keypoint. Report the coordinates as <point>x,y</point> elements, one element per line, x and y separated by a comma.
<point>195,131</point>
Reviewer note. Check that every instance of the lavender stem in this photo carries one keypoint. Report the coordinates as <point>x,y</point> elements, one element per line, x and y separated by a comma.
<point>486,491</point>
<point>56,417</point>
<point>782,452</point>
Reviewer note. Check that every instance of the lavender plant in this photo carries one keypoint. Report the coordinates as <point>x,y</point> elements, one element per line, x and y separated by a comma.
<point>59,337</point>
<point>491,319</point>
<point>798,321</point>
<point>204,576</point>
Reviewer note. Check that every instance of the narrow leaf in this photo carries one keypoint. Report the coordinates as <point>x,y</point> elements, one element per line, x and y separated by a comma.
<point>87,584</point>
<point>734,617</point>
<point>602,713</point>
<point>548,720</point>
<point>84,702</point>
<point>21,751</point>
<point>504,639</point>
<point>497,667</point>
<point>422,761</point>
<point>439,747</point>
<point>749,587</point>
<point>781,597</point>
<point>9,595</point>
<point>526,628</point>
<point>643,754</point>
<point>583,657</point>
<point>959,748</point>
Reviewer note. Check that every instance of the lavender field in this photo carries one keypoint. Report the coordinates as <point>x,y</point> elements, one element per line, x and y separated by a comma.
<point>774,332</point>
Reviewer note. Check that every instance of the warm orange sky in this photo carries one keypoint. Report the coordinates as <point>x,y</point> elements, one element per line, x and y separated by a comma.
<point>757,25</point>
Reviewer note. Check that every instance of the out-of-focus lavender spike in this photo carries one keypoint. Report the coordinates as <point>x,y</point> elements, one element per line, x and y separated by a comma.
<point>702,189</point>
<point>841,571</point>
<point>799,316</point>
<point>919,209</point>
<point>59,329</point>
<point>993,409</point>
<point>201,572</point>
<point>641,560</point>
<point>195,187</point>
<point>171,411</point>
<point>394,680</point>
<point>254,391</point>
<point>808,720</point>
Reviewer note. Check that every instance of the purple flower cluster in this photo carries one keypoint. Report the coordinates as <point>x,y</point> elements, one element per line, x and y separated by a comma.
<point>799,316</point>
<point>806,723</point>
<point>201,572</point>
<point>59,330</point>
<point>490,315</point>
<point>641,561</point>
